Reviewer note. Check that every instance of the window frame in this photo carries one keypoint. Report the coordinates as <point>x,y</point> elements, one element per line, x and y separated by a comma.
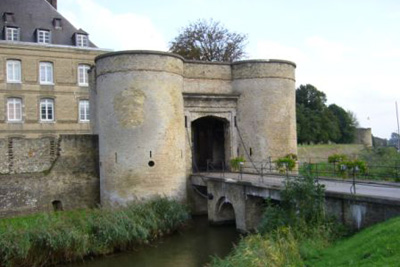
<point>47,79</point>
<point>14,101</point>
<point>14,69</point>
<point>41,36</point>
<point>83,70</point>
<point>84,106</point>
<point>81,40</point>
<point>15,32</point>
<point>46,103</point>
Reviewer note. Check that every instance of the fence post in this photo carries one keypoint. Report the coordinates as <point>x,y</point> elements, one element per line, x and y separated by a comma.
<point>241,170</point>
<point>262,172</point>
<point>270,164</point>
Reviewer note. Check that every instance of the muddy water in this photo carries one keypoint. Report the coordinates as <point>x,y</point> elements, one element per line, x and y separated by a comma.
<point>191,247</point>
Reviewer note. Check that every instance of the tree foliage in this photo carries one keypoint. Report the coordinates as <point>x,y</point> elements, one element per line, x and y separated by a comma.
<point>318,123</point>
<point>208,40</point>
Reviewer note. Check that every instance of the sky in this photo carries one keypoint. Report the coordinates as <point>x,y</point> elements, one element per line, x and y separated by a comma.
<point>349,49</point>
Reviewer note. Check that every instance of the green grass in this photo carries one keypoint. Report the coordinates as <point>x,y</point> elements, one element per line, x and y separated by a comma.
<point>47,239</point>
<point>378,245</point>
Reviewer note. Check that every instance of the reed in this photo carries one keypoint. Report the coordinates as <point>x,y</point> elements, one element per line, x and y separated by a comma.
<point>51,238</point>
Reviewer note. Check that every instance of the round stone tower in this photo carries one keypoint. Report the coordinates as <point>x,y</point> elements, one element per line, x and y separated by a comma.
<point>140,123</point>
<point>266,107</point>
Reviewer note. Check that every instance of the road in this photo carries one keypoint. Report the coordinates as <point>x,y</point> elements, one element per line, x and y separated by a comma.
<point>374,189</point>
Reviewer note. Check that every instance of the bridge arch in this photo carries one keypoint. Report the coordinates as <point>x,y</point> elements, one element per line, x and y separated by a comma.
<point>225,211</point>
<point>211,143</point>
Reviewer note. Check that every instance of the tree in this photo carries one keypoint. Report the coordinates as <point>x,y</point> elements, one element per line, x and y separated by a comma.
<point>310,97</point>
<point>394,140</point>
<point>347,124</point>
<point>209,41</point>
<point>317,123</point>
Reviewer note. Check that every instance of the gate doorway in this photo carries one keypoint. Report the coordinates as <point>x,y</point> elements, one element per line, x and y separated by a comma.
<point>210,135</point>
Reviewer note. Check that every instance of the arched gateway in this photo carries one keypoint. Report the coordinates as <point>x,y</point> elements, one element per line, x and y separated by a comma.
<point>209,146</point>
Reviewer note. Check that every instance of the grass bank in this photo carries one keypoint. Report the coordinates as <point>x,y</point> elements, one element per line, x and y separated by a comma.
<point>378,245</point>
<point>47,239</point>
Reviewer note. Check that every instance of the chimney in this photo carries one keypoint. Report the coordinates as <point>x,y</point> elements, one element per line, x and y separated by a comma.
<point>53,3</point>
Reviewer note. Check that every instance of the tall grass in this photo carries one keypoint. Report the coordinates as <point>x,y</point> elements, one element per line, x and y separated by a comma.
<point>47,239</point>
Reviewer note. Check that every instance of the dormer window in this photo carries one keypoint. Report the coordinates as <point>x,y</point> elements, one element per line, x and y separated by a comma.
<point>8,17</point>
<point>43,36</point>
<point>57,23</point>
<point>11,33</point>
<point>81,40</point>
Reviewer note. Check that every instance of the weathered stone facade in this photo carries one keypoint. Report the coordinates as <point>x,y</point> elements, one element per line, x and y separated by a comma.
<point>160,117</point>
<point>363,136</point>
<point>49,173</point>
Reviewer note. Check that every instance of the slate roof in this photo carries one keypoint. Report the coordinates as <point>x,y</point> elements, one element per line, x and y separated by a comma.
<point>30,15</point>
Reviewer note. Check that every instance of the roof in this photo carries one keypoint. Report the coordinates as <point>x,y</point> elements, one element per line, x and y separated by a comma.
<point>30,15</point>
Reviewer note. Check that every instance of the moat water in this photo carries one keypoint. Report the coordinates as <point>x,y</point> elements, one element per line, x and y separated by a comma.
<point>191,247</point>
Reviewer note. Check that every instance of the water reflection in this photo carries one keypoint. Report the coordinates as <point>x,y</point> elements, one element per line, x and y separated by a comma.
<point>190,248</point>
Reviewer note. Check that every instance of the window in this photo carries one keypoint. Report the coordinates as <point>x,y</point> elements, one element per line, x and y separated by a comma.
<point>14,109</point>
<point>47,109</point>
<point>83,77</point>
<point>43,36</point>
<point>81,40</point>
<point>13,71</point>
<point>46,72</point>
<point>12,34</point>
<point>57,23</point>
<point>84,115</point>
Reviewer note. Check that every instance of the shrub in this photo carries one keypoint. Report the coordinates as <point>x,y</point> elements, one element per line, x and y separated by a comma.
<point>235,163</point>
<point>334,158</point>
<point>302,202</point>
<point>351,167</point>
<point>286,163</point>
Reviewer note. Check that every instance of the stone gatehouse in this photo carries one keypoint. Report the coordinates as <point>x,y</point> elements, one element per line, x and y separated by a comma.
<point>159,118</point>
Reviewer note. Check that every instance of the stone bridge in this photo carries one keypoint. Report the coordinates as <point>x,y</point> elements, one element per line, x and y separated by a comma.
<point>232,197</point>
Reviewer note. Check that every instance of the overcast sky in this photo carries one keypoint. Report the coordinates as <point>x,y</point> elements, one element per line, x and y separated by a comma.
<point>349,49</point>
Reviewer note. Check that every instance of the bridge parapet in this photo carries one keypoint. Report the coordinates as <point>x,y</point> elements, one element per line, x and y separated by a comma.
<point>243,201</point>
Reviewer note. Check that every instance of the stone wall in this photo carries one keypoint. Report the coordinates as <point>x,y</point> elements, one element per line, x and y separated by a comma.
<point>39,173</point>
<point>359,212</point>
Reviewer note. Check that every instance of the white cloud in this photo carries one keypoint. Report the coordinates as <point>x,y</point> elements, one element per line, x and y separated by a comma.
<point>111,30</point>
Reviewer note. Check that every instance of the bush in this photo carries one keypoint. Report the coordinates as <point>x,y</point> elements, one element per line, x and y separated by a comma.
<point>286,163</point>
<point>235,163</point>
<point>352,167</point>
<point>302,202</point>
<point>335,158</point>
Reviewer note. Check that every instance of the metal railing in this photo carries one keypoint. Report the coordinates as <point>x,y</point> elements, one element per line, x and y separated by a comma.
<point>319,169</point>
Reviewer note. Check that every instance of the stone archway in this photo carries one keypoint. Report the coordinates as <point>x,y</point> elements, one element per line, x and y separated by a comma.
<point>210,137</point>
<point>224,211</point>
